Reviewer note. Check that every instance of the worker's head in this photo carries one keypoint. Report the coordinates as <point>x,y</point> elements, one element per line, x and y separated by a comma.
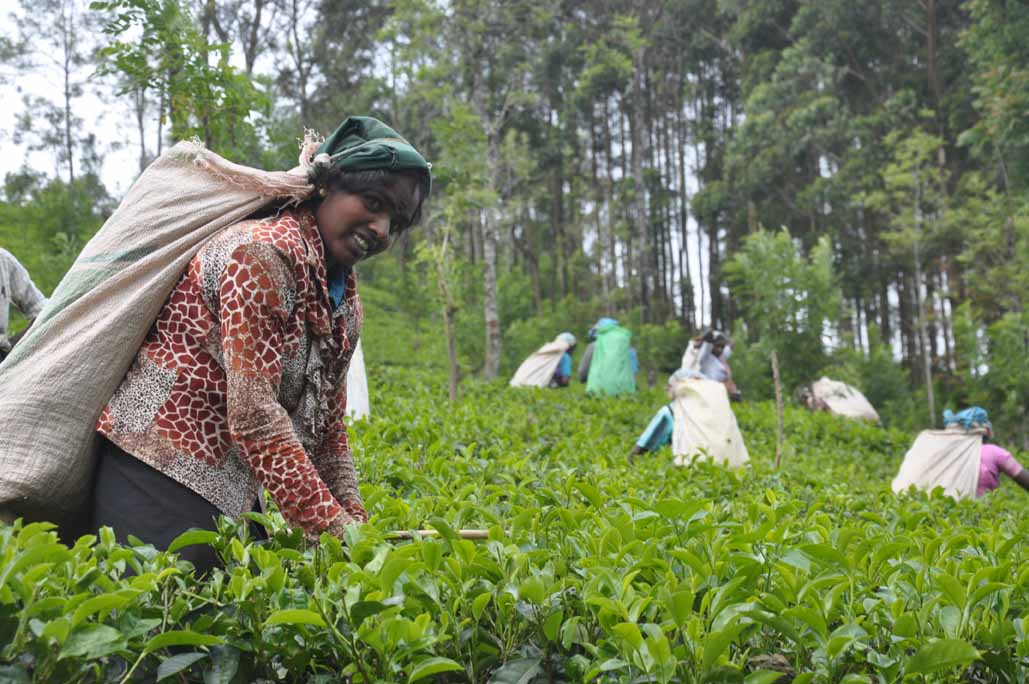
<point>569,339</point>
<point>370,185</point>
<point>719,342</point>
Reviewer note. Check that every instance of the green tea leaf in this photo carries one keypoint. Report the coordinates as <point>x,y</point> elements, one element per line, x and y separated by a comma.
<point>180,638</point>
<point>430,666</point>
<point>763,677</point>
<point>92,641</point>
<point>520,671</point>
<point>941,655</point>
<point>191,538</point>
<point>177,663</point>
<point>295,616</point>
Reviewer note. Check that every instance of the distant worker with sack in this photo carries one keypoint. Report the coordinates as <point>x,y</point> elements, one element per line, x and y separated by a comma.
<point>708,354</point>
<point>240,383</point>
<point>548,366</point>
<point>609,364</point>
<point>16,287</point>
<point>961,458</point>
<point>699,423</point>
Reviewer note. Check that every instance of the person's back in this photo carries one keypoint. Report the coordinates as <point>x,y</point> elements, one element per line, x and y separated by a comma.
<point>16,287</point>
<point>611,366</point>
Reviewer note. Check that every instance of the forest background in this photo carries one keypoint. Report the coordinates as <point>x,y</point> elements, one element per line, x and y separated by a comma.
<point>845,183</point>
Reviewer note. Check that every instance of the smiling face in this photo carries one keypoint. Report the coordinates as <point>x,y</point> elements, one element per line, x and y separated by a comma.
<point>363,219</point>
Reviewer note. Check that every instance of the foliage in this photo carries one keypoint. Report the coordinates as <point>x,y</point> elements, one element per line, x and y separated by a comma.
<point>156,45</point>
<point>787,300</point>
<point>595,570</point>
<point>38,212</point>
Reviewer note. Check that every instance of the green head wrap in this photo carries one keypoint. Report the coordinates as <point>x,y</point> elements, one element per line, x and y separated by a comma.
<point>362,143</point>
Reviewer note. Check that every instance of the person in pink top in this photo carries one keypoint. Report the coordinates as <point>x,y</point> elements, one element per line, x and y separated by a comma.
<point>992,462</point>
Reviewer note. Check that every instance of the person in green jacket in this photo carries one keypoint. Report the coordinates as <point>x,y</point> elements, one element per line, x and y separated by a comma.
<point>609,365</point>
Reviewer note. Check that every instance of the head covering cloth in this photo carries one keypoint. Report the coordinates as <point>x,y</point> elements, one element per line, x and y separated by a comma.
<point>970,418</point>
<point>363,143</point>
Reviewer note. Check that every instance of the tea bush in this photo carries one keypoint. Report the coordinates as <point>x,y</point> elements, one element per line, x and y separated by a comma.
<point>594,570</point>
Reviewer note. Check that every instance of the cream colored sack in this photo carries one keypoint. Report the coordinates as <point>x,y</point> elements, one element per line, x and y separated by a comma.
<point>58,379</point>
<point>705,426</point>
<point>538,369</point>
<point>357,385</point>
<point>843,400</point>
<point>942,458</point>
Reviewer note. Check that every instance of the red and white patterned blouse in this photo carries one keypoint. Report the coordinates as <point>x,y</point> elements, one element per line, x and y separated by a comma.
<point>242,380</point>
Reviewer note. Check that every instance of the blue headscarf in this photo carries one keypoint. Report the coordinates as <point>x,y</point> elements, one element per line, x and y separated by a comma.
<point>971,417</point>
<point>601,324</point>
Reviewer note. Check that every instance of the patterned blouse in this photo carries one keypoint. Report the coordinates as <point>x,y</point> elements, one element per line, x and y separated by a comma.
<point>242,380</point>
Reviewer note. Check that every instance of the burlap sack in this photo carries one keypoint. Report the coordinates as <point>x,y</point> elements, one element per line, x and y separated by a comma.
<point>58,379</point>
<point>942,458</point>
<point>538,369</point>
<point>705,426</point>
<point>843,400</point>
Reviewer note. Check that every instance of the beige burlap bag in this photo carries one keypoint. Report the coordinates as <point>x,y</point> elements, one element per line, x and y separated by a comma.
<point>538,369</point>
<point>942,458</point>
<point>58,379</point>
<point>843,400</point>
<point>705,427</point>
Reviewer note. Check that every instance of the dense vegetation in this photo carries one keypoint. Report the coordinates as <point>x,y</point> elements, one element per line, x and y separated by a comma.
<point>595,570</point>
<point>632,158</point>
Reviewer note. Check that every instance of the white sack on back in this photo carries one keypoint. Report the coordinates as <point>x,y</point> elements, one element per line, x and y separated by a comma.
<point>691,358</point>
<point>58,379</point>
<point>538,369</point>
<point>357,385</point>
<point>942,458</point>
<point>843,400</point>
<point>705,426</point>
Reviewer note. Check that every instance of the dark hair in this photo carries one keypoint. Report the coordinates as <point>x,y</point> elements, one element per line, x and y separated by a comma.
<point>382,184</point>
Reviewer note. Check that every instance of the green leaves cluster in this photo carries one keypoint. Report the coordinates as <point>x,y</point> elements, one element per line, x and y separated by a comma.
<point>594,570</point>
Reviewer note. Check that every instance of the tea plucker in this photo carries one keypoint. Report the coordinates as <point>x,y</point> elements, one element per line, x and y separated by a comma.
<point>241,382</point>
<point>16,287</point>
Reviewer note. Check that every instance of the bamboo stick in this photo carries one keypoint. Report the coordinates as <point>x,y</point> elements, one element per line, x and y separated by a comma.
<point>422,534</point>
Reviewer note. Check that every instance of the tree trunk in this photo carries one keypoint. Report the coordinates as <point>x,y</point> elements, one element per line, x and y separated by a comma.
<point>489,255</point>
<point>923,333</point>
<point>640,219</point>
<point>67,40</point>
<point>449,311</point>
<point>140,106</point>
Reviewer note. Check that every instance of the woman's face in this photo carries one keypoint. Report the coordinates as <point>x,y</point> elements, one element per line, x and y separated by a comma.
<point>355,226</point>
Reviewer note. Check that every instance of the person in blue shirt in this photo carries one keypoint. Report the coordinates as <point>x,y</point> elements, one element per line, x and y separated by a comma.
<point>659,431</point>
<point>563,374</point>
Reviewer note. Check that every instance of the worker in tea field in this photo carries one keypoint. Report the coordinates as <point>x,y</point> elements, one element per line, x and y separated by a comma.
<point>708,354</point>
<point>548,366</point>
<point>837,398</point>
<point>609,364</point>
<point>659,430</point>
<point>961,458</point>
<point>699,423</point>
<point>241,382</point>
<point>16,287</point>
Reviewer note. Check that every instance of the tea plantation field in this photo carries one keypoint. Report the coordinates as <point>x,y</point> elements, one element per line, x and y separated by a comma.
<point>595,570</point>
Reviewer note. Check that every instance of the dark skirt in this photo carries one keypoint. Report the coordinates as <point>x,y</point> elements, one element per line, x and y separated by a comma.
<point>133,498</point>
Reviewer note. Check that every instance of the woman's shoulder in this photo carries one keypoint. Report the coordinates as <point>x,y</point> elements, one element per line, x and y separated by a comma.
<point>285,232</point>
